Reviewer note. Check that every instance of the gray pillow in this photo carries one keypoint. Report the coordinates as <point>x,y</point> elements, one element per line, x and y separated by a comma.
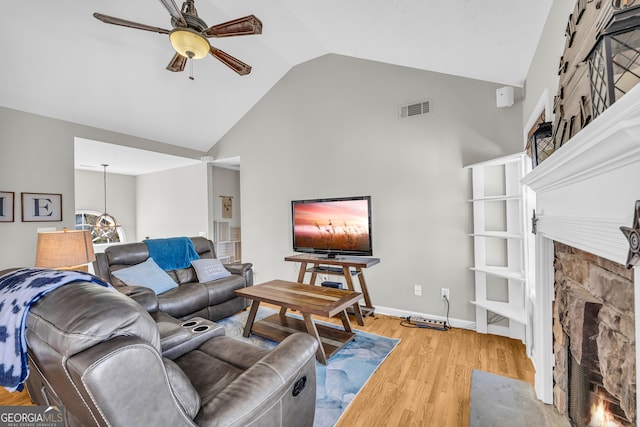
<point>208,269</point>
<point>147,274</point>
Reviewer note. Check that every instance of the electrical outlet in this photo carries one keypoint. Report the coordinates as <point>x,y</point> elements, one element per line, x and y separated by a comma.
<point>444,293</point>
<point>417,290</point>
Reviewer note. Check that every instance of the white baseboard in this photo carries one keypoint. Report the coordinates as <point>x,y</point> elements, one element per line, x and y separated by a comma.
<point>454,323</point>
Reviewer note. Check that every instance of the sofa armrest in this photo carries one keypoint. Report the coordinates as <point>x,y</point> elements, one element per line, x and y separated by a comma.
<point>101,267</point>
<point>143,296</point>
<point>285,373</point>
<point>178,337</point>
<point>239,268</point>
<point>243,269</point>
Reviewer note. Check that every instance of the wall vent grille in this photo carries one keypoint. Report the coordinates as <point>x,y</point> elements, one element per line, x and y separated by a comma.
<point>415,109</point>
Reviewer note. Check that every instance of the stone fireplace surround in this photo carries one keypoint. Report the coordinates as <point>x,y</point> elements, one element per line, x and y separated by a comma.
<point>584,192</point>
<point>593,336</point>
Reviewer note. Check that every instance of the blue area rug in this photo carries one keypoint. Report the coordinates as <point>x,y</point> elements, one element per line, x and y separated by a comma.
<point>348,370</point>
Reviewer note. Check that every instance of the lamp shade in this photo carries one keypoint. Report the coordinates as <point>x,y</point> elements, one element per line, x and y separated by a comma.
<point>63,249</point>
<point>189,44</point>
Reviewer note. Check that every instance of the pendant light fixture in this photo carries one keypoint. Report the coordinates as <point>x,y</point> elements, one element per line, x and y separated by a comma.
<point>106,226</point>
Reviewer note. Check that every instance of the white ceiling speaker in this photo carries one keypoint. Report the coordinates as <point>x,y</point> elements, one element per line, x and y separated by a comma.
<point>504,97</point>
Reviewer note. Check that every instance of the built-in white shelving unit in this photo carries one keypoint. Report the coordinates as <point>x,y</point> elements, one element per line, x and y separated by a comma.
<point>227,242</point>
<point>499,243</point>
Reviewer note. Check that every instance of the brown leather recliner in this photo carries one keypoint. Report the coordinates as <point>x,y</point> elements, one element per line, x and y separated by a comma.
<point>97,353</point>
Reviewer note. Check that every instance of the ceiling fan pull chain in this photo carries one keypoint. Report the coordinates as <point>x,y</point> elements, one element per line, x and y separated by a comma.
<point>191,69</point>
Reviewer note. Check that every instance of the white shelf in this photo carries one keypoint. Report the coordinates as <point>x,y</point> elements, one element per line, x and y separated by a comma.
<point>496,198</point>
<point>502,272</point>
<point>511,158</point>
<point>498,234</point>
<point>503,309</point>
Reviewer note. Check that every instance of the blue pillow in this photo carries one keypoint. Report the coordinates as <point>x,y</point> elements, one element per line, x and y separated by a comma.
<point>146,274</point>
<point>208,269</point>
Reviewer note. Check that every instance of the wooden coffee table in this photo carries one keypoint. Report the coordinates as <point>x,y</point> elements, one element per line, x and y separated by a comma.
<point>308,300</point>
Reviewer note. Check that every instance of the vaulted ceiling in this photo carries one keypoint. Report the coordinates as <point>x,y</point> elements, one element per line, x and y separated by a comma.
<point>60,62</point>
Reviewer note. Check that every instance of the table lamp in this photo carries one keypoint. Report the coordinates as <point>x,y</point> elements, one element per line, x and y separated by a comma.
<point>65,250</point>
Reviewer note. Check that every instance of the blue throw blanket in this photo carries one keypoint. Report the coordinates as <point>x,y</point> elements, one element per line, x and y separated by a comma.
<point>172,253</point>
<point>18,290</point>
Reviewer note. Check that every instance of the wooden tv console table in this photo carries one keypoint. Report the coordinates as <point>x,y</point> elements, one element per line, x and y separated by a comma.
<point>340,266</point>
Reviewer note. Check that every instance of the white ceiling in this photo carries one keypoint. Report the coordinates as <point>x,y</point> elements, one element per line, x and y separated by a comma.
<point>61,62</point>
<point>91,155</point>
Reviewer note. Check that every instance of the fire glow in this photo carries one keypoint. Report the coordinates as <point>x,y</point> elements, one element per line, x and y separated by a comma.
<point>600,416</point>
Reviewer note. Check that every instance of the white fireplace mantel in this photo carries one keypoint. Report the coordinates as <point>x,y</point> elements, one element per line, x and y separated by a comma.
<point>587,189</point>
<point>585,192</point>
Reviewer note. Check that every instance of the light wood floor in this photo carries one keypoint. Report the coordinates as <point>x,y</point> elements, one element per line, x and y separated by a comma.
<point>425,381</point>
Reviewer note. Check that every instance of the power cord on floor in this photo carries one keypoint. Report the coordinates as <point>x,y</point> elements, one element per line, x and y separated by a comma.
<point>406,322</point>
<point>447,325</point>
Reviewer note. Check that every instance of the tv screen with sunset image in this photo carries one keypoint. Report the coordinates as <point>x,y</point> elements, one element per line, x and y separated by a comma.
<point>339,226</point>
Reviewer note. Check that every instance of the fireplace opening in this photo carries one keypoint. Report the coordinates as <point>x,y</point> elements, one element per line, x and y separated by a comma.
<point>589,403</point>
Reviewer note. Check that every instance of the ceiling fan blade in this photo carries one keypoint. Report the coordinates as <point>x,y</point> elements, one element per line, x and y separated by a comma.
<point>173,10</point>
<point>231,62</point>
<point>130,24</point>
<point>238,27</point>
<point>177,63</point>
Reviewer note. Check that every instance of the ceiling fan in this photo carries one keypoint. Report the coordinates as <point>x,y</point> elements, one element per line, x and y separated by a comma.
<point>189,35</point>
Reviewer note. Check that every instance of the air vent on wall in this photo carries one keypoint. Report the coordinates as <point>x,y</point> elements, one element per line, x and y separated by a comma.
<point>415,109</point>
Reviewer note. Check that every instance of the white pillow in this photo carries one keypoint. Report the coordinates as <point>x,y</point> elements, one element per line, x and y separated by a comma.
<point>208,269</point>
<point>147,274</point>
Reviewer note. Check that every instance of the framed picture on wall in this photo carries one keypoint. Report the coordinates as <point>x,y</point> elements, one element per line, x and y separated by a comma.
<point>41,207</point>
<point>6,206</point>
<point>227,206</point>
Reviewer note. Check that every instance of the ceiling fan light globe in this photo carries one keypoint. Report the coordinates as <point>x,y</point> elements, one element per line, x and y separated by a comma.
<point>189,43</point>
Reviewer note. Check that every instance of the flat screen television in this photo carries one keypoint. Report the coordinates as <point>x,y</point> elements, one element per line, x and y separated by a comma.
<point>331,227</point>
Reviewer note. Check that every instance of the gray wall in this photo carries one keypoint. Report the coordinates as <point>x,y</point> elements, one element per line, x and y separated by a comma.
<point>173,203</point>
<point>36,155</point>
<point>543,72</point>
<point>330,128</point>
<point>160,204</point>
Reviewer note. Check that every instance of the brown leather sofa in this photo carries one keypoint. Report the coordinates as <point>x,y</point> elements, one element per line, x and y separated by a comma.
<point>97,353</point>
<point>212,300</point>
